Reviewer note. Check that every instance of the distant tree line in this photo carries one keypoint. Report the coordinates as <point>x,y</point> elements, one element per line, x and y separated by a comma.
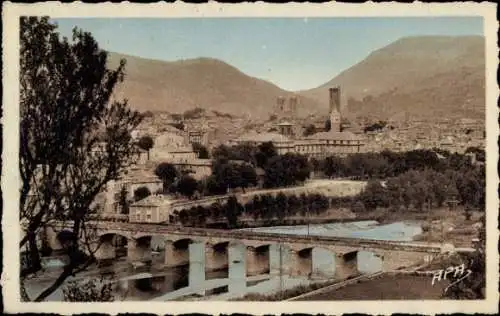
<point>365,166</point>
<point>414,180</point>
<point>262,207</point>
<point>278,170</point>
<point>427,189</point>
<point>414,190</point>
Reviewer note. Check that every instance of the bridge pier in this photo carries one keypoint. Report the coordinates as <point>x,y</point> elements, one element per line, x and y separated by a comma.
<point>257,260</point>
<point>139,250</point>
<point>276,258</point>
<point>216,256</point>
<point>237,271</point>
<point>394,260</point>
<point>106,249</point>
<point>176,253</point>
<point>52,240</point>
<point>346,265</point>
<point>196,261</point>
<point>301,262</point>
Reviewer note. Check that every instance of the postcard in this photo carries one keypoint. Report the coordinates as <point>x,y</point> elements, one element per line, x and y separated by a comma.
<point>258,158</point>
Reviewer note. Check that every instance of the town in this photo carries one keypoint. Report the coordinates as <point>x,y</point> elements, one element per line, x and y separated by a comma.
<point>292,199</point>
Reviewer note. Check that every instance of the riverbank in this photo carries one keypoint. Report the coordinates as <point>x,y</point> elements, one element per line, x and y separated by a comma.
<point>385,287</point>
<point>438,225</point>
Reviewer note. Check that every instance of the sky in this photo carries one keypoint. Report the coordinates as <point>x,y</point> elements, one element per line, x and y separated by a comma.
<point>293,53</point>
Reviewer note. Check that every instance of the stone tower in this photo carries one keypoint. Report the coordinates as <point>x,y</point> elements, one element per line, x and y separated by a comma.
<point>280,105</point>
<point>293,101</point>
<point>335,114</point>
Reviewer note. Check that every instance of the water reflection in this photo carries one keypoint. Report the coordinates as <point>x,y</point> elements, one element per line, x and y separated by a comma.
<point>151,282</point>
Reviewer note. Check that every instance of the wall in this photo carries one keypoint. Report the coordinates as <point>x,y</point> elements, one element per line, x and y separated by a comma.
<point>153,186</point>
<point>157,213</point>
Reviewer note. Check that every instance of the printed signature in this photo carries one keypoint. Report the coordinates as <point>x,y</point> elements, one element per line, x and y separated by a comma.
<point>459,273</point>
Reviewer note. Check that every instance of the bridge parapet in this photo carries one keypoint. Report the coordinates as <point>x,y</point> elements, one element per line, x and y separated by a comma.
<point>136,230</point>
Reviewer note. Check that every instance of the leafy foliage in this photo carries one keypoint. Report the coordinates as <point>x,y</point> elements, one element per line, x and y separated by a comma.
<point>167,173</point>
<point>472,287</point>
<point>201,151</point>
<point>187,186</point>
<point>230,175</point>
<point>141,193</point>
<point>145,143</point>
<point>123,201</point>
<point>92,290</point>
<point>65,107</point>
<point>264,207</point>
<point>286,170</point>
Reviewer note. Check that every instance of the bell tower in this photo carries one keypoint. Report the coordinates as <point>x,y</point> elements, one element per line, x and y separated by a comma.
<point>335,114</point>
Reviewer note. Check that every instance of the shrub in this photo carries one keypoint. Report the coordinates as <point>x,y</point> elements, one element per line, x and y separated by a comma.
<point>92,290</point>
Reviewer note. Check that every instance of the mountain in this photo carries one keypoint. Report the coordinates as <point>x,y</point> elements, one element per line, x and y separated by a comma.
<point>204,82</point>
<point>424,77</point>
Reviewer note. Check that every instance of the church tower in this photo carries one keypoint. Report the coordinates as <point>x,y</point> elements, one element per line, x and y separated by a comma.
<point>335,115</point>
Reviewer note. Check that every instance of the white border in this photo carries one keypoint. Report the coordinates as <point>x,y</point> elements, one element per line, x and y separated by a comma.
<point>10,176</point>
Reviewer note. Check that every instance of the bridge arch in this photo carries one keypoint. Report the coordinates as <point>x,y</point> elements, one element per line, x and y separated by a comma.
<point>122,233</point>
<point>65,236</point>
<point>58,240</point>
<point>183,242</point>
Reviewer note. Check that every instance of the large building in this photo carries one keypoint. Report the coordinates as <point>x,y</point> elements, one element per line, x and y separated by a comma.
<point>319,145</point>
<point>286,107</point>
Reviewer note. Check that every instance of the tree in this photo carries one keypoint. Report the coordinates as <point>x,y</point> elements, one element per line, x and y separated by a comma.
<point>92,290</point>
<point>333,166</point>
<point>310,130</point>
<point>265,152</point>
<point>187,185</point>
<point>472,287</point>
<point>123,200</point>
<point>167,173</point>
<point>222,152</point>
<point>145,143</point>
<point>286,170</point>
<point>282,205</point>
<point>233,209</point>
<point>141,193</point>
<point>374,195</point>
<point>65,97</point>
<point>248,176</point>
<point>358,207</point>
<point>201,150</point>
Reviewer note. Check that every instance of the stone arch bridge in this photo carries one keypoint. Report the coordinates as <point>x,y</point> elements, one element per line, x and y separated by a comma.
<point>218,244</point>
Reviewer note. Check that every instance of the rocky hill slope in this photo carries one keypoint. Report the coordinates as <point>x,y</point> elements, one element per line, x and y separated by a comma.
<point>204,82</point>
<point>424,77</point>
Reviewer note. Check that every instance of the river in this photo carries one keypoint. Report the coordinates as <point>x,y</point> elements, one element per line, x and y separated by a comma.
<point>157,283</point>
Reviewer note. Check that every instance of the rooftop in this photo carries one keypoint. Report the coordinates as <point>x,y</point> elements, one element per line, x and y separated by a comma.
<point>263,137</point>
<point>155,200</point>
<point>335,136</point>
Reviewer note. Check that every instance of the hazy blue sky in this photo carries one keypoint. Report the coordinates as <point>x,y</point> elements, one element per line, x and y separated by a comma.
<point>293,53</point>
